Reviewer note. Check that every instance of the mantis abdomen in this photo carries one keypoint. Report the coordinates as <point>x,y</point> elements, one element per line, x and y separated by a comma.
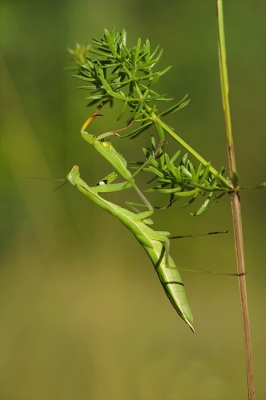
<point>171,281</point>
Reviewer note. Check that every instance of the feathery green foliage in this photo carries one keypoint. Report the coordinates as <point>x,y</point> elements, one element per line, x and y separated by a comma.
<point>128,75</point>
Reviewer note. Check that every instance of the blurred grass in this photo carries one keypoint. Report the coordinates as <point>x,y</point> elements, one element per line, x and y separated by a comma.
<point>83,315</point>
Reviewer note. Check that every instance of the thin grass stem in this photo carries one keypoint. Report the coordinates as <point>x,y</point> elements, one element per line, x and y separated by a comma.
<point>235,202</point>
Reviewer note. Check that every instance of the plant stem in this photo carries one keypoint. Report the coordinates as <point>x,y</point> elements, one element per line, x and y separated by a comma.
<point>235,203</point>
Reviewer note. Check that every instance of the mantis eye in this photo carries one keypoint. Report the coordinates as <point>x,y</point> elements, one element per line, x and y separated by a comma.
<point>103,182</point>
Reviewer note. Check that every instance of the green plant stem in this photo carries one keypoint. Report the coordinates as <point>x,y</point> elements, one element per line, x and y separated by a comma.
<point>235,203</point>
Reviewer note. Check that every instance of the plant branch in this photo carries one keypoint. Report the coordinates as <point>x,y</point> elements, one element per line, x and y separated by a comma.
<point>235,202</point>
<point>127,74</point>
<point>194,153</point>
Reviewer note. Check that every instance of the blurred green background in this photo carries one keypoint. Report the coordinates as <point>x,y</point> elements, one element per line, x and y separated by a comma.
<point>83,315</point>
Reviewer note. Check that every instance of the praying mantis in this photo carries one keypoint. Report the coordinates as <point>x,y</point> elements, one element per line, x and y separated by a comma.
<point>155,243</point>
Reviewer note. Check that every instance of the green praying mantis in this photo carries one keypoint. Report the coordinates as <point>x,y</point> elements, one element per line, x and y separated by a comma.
<point>155,243</point>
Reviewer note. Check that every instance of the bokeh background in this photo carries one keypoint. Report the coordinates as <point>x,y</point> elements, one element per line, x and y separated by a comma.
<point>83,315</point>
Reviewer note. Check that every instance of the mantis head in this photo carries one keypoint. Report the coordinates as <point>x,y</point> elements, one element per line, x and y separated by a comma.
<point>73,175</point>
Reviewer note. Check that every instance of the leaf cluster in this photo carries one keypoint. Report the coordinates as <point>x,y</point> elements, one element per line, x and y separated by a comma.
<point>123,73</point>
<point>181,179</point>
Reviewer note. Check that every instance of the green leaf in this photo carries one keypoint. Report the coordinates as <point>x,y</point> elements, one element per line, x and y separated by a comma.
<point>159,130</point>
<point>136,53</point>
<point>207,205</point>
<point>175,107</point>
<point>122,111</point>
<point>186,172</point>
<point>189,202</point>
<point>124,37</point>
<point>110,41</point>
<point>187,193</point>
<point>205,173</point>
<point>100,52</point>
<point>156,171</point>
<point>175,156</point>
<point>83,78</point>
<point>139,130</point>
<point>154,80</point>
<point>87,87</point>
<point>97,97</point>
<point>155,51</point>
<point>165,70</point>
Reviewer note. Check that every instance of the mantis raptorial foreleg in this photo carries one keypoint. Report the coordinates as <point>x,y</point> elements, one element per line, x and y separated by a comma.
<point>106,149</point>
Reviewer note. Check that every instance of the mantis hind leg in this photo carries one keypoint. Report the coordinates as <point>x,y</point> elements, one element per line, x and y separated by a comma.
<point>141,195</point>
<point>204,272</point>
<point>146,215</point>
